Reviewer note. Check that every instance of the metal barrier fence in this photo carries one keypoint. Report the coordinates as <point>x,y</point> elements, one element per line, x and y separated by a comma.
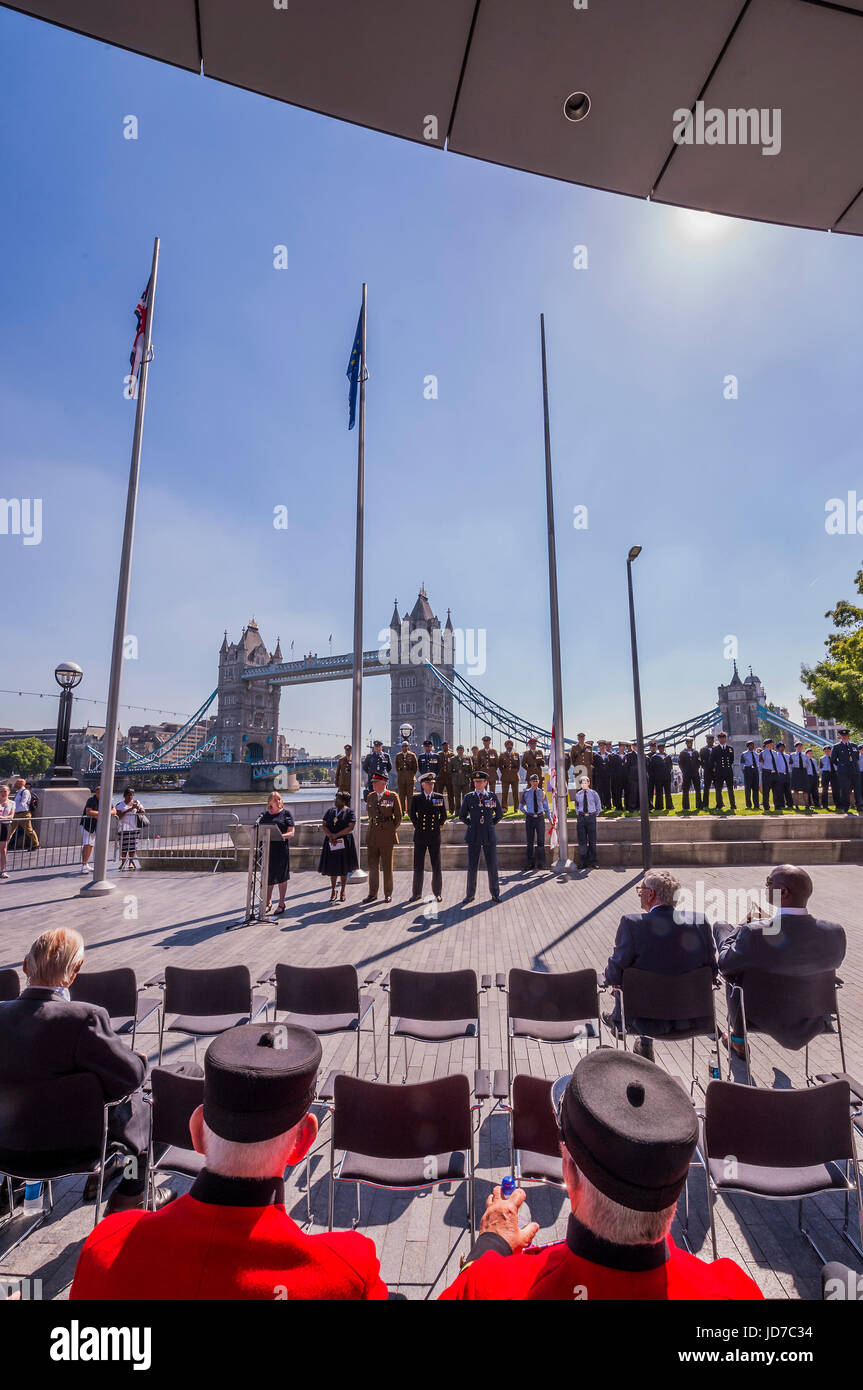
<point>205,837</point>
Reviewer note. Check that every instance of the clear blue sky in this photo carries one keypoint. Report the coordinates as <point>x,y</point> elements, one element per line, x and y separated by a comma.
<point>248,404</point>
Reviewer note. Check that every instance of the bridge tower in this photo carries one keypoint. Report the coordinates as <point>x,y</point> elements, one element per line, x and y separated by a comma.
<point>416,696</point>
<point>247,720</point>
<point>738,709</point>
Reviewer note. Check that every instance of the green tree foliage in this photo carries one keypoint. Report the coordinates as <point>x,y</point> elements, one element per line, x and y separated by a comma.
<point>836,682</point>
<point>28,757</point>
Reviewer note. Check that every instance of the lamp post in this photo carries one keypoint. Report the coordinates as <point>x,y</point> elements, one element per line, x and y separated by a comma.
<point>644,809</point>
<point>67,675</point>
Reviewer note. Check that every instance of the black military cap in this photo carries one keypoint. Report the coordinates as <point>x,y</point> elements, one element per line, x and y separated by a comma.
<point>259,1080</point>
<point>689,740</point>
<point>844,733</point>
<point>427,743</point>
<point>486,738</point>
<point>660,745</point>
<point>629,1126</point>
<point>534,777</point>
<point>379,743</point>
<point>479,775</point>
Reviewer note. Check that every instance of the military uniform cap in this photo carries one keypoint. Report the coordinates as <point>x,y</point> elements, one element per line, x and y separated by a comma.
<point>259,1080</point>
<point>427,777</point>
<point>380,777</point>
<point>629,1127</point>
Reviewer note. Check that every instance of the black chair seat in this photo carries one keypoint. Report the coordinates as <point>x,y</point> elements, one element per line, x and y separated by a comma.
<point>855,1087</point>
<point>187,1162</point>
<point>435,1030</point>
<point>563,1030</point>
<point>213,1023</point>
<point>778,1182</point>
<point>323,1023</point>
<point>122,1023</point>
<point>538,1167</point>
<point>402,1172</point>
<point>59,1163</point>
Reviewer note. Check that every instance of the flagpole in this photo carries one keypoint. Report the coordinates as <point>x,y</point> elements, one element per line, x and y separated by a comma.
<point>357,700</point>
<point>562,863</point>
<point>100,883</point>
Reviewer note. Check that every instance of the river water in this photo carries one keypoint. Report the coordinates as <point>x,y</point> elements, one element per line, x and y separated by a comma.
<point>158,800</point>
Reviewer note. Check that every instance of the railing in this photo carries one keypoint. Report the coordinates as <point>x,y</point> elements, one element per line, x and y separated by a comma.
<point>202,836</point>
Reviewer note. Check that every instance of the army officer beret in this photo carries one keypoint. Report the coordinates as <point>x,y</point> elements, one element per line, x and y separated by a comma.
<point>630,1128</point>
<point>259,1080</point>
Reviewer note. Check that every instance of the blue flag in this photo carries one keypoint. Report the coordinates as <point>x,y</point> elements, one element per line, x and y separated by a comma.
<point>353,372</point>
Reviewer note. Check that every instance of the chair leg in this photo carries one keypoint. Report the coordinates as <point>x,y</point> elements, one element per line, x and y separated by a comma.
<point>359,1212</point>
<point>308,1189</point>
<point>710,1204</point>
<point>405,1077</point>
<point>332,1191</point>
<point>161,1035</point>
<point>389,1040</point>
<point>97,1215</point>
<point>802,1229</point>
<point>374,1042</point>
<point>359,1031</point>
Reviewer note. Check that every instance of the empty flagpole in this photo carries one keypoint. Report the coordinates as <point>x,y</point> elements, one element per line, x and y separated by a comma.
<point>562,861</point>
<point>100,883</point>
<point>357,693</point>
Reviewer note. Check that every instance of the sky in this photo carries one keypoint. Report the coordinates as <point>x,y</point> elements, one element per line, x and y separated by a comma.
<point>247,407</point>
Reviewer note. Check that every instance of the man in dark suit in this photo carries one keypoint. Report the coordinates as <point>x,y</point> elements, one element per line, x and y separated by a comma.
<point>663,941</point>
<point>481,812</point>
<point>793,942</point>
<point>44,1034</point>
<point>427,813</point>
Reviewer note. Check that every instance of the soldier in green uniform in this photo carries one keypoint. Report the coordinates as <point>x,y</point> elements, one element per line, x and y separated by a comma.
<point>474,758</point>
<point>344,768</point>
<point>444,777</point>
<point>508,765</point>
<point>385,815</point>
<point>461,771</point>
<point>488,762</point>
<point>532,760</point>
<point>407,767</point>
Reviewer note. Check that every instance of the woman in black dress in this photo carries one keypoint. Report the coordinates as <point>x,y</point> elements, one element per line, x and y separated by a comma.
<point>339,851</point>
<point>280,851</point>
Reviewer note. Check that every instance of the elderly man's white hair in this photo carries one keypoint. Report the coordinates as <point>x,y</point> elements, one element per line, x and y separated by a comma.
<point>266,1159</point>
<point>663,884</point>
<point>54,958</point>
<point>617,1224</point>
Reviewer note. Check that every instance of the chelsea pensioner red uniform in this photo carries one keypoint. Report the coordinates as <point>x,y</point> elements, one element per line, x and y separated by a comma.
<point>586,1267</point>
<point>228,1238</point>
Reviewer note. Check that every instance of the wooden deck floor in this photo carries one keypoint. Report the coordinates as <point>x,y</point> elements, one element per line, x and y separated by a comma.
<point>543,924</point>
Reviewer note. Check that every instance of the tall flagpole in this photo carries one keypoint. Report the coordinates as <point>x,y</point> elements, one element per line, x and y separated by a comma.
<point>100,883</point>
<point>357,700</point>
<point>562,862</point>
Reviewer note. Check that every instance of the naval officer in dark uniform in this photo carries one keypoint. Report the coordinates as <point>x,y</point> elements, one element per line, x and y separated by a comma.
<point>427,813</point>
<point>722,772</point>
<point>846,775</point>
<point>481,812</point>
<point>690,769</point>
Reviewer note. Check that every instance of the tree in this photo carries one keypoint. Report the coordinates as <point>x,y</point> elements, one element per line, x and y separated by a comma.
<point>836,682</point>
<point>26,757</point>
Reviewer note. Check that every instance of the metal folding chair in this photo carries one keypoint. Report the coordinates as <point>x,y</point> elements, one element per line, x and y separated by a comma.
<point>204,1003</point>
<point>10,985</point>
<point>325,998</point>
<point>116,991</point>
<point>674,999</point>
<point>551,1008</point>
<point>433,1006</point>
<point>780,1001</point>
<point>173,1101</point>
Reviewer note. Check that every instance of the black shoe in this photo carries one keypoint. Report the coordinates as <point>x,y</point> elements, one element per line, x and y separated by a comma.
<point>439,897</point>
<point>91,1186</point>
<point>124,1201</point>
<point>497,899</point>
<point>643,1047</point>
<point>470,899</point>
<point>388,897</point>
<point>414,897</point>
<point>369,900</point>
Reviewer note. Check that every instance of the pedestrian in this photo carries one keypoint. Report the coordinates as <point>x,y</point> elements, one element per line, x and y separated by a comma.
<point>339,850</point>
<point>344,771</point>
<point>481,812</point>
<point>705,756</point>
<point>601,777</point>
<point>279,871</point>
<point>587,807</point>
<point>617,775</point>
<point>7,811</point>
<point>534,804</point>
<point>427,813</point>
<point>88,829</point>
<point>444,782</point>
<point>127,812</point>
<point>375,762</point>
<point>23,822</point>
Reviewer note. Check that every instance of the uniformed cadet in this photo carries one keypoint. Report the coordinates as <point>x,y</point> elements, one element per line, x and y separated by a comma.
<point>662,773</point>
<point>768,777</point>
<point>385,814</point>
<point>722,772</point>
<point>481,812</point>
<point>828,781</point>
<point>782,780</point>
<point>444,777</point>
<point>582,758</point>
<point>814,797</point>
<point>508,765</point>
<point>628,1133</point>
<point>374,762</point>
<point>344,771</point>
<point>801,776</point>
<point>230,1236</point>
<point>630,764</point>
<point>706,758</point>
<point>601,778</point>
<point>652,772</point>
<point>407,768</point>
<point>461,771</point>
<point>750,763</point>
<point>690,771</point>
<point>845,764</point>
<point>429,759</point>
<point>427,813</point>
<point>532,759</point>
<point>534,804</point>
<point>488,761</point>
<point>587,807</point>
<point>617,775</point>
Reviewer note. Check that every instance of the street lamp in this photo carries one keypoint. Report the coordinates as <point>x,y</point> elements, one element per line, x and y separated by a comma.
<point>67,675</point>
<point>644,809</point>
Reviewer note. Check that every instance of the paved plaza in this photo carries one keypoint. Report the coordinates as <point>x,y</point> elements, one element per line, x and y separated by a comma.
<point>543,924</point>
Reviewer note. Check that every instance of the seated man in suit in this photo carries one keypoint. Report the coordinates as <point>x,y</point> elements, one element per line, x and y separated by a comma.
<point>792,942</point>
<point>45,1034</point>
<point>663,941</point>
<point>230,1237</point>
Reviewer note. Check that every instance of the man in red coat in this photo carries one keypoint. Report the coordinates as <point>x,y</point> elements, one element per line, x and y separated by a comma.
<point>628,1133</point>
<point>230,1237</point>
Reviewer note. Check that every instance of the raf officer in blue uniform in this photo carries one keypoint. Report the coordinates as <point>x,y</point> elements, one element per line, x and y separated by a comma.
<point>375,763</point>
<point>429,760</point>
<point>751,765</point>
<point>481,812</point>
<point>846,774</point>
<point>534,804</point>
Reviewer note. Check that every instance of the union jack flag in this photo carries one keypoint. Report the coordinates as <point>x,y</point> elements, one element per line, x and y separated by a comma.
<point>141,311</point>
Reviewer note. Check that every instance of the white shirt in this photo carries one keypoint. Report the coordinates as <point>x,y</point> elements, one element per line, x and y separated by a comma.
<point>22,800</point>
<point>127,815</point>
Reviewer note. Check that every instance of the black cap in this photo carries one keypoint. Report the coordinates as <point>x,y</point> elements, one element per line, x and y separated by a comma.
<point>259,1080</point>
<point>480,773</point>
<point>630,1128</point>
<point>427,743</point>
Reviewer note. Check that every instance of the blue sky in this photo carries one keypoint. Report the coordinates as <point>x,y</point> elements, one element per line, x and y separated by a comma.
<point>247,406</point>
